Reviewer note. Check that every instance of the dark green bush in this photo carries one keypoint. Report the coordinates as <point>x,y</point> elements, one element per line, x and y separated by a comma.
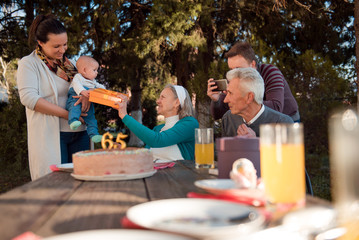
<point>149,113</point>
<point>14,167</point>
<point>13,147</point>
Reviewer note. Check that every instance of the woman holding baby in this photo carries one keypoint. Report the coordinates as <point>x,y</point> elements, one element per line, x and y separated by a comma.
<point>43,80</point>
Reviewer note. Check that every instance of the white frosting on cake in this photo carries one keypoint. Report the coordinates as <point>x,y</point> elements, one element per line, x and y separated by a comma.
<point>106,162</point>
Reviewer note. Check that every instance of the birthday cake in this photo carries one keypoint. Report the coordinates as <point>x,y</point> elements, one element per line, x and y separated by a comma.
<point>113,162</point>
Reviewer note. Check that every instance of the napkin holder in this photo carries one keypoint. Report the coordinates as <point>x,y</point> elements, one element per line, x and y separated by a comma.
<point>229,149</point>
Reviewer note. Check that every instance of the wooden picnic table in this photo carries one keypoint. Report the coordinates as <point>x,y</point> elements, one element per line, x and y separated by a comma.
<point>57,203</point>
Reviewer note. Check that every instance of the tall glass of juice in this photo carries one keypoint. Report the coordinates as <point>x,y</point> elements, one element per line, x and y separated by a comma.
<point>344,165</point>
<point>204,148</point>
<point>282,165</point>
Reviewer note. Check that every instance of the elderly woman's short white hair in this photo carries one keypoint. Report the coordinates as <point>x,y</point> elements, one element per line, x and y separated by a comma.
<point>251,81</point>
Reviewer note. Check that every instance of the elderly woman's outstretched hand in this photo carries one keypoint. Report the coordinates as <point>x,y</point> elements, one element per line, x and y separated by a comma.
<point>122,106</point>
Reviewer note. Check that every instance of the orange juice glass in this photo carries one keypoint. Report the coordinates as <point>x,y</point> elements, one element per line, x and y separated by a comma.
<point>344,166</point>
<point>204,148</point>
<point>282,165</point>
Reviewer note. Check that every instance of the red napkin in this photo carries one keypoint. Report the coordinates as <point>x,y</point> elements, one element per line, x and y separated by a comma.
<point>54,168</point>
<point>259,203</point>
<point>164,165</point>
<point>27,236</point>
<point>126,223</point>
<point>238,199</point>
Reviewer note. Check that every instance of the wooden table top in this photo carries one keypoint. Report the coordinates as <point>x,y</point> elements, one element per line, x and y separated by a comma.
<point>57,203</point>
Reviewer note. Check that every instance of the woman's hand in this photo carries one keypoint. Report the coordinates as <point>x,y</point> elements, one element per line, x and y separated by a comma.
<point>85,103</point>
<point>122,106</point>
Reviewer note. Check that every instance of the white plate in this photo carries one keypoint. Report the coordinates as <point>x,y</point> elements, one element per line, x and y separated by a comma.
<point>163,161</point>
<point>122,234</point>
<point>195,217</point>
<point>227,188</point>
<point>216,186</point>
<point>312,219</point>
<point>66,167</point>
<point>114,177</point>
<point>277,233</point>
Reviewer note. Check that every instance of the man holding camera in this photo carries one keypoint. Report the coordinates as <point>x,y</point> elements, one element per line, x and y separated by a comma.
<point>277,95</point>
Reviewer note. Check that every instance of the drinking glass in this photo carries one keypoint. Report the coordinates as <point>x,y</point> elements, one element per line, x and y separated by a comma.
<point>204,148</point>
<point>344,165</point>
<point>282,165</point>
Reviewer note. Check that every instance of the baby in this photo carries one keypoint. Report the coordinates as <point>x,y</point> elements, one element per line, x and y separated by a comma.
<point>83,81</point>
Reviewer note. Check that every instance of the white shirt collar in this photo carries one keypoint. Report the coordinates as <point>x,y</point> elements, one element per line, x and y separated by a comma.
<point>170,122</point>
<point>256,116</point>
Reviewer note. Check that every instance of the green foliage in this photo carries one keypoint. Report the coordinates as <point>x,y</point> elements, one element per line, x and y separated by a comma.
<point>13,150</point>
<point>170,23</point>
<point>149,113</point>
<point>12,32</point>
<point>10,179</point>
<point>325,28</point>
<point>217,70</point>
<point>319,89</point>
<point>318,169</point>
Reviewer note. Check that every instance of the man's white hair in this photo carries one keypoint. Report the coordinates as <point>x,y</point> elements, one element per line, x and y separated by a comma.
<point>250,81</point>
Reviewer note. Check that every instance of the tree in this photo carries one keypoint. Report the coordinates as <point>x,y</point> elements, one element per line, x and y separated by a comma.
<point>331,22</point>
<point>12,31</point>
<point>319,90</point>
<point>3,80</point>
<point>144,44</point>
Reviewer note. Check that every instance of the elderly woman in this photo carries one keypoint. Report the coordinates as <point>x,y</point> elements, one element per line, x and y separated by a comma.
<point>173,140</point>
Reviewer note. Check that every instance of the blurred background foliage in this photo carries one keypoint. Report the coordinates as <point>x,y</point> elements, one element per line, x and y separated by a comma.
<point>143,45</point>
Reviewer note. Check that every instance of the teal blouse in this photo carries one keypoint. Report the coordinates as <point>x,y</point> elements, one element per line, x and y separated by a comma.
<point>182,134</point>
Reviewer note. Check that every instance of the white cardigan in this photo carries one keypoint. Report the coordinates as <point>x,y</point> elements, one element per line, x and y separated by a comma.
<point>35,80</point>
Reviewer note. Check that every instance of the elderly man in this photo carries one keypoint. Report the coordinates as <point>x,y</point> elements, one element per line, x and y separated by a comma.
<point>278,95</point>
<point>245,100</point>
